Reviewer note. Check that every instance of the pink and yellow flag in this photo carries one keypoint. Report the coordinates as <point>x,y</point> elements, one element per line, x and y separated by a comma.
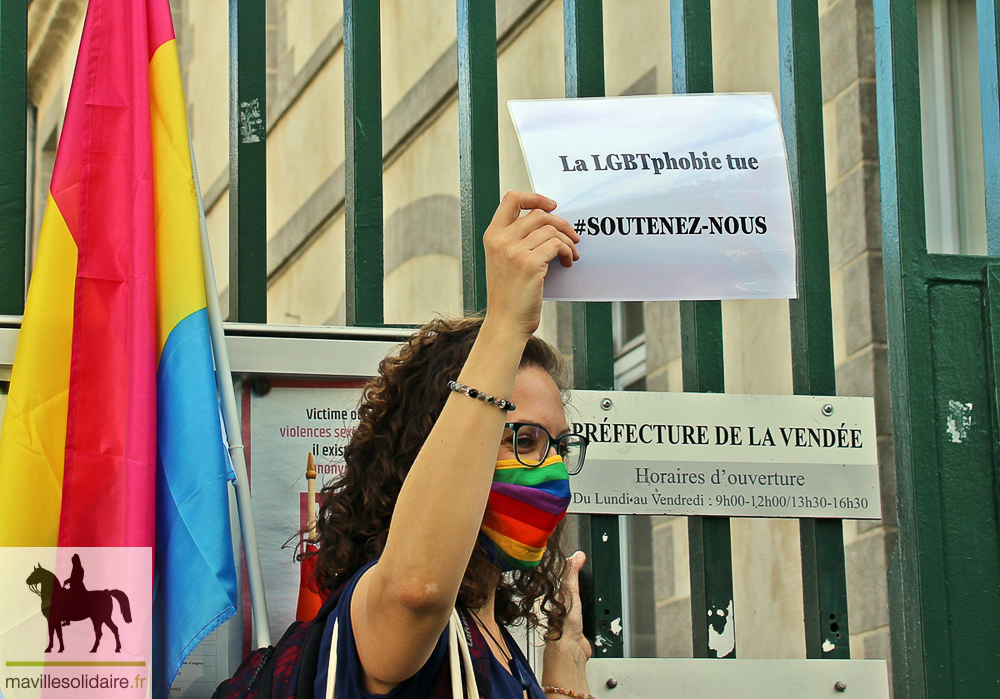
<point>111,435</point>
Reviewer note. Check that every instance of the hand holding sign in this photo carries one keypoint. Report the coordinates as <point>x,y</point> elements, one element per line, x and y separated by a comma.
<point>674,196</point>
<point>518,252</point>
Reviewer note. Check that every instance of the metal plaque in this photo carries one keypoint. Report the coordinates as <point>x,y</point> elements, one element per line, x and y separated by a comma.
<point>726,455</point>
<point>703,678</point>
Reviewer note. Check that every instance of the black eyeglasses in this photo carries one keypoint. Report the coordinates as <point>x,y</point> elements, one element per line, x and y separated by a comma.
<point>531,443</point>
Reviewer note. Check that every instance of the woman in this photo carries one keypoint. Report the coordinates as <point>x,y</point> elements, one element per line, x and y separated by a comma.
<point>407,534</point>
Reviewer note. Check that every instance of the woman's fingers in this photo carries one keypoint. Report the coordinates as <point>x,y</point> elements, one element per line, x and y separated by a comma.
<point>513,203</point>
<point>571,573</point>
<point>570,593</point>
<point>550,243</point>
<point>538,232</point>
<point>570,590</point>
<point>538,218</point>
<point>539,227</point>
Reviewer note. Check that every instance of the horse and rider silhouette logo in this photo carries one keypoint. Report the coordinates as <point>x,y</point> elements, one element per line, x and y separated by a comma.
<point>72,601</point>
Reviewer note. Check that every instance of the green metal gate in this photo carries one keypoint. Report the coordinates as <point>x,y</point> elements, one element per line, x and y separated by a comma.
<point>944,579</point>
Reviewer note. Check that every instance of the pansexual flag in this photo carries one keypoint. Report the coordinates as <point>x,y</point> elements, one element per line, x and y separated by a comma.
<point>112,435</point>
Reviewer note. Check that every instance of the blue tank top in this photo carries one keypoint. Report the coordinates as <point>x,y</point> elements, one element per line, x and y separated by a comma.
<point>512,682</point>
<point>500,683</point>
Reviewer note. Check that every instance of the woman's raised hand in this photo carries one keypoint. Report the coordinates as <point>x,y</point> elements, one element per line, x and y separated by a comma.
<point>565,660</point>
<point>570,594</point>
<point>518,252</point>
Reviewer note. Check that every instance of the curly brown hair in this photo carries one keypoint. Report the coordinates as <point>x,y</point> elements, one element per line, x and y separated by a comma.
<point>397,411</point>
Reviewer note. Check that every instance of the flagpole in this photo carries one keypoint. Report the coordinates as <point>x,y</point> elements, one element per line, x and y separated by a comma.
<point>234,435</point>
<point>311,496</point>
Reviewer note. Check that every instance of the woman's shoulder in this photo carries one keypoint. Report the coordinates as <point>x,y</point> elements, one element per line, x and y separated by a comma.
<point>352,580</point>
<point>349,672</point>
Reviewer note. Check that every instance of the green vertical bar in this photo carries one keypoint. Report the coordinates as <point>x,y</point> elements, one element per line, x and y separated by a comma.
<point>479,149</point>
<point>709,538</point>
<point>920,659</point>
<point>247,162</point>
<point>363,162</point>
<point>710,552</point>
<point>593,344</point>
<point>691,46</point>
<point>824,577</point>
<point>988,26</point>
<point>592,341</point>
<point>992,321</point>
<point>13,146</point>
<point>593,368</point>
<point>583,28</point>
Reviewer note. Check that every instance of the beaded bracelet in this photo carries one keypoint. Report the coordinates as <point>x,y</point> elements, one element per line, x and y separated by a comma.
<point>546,689</point>
<point>486,398</point>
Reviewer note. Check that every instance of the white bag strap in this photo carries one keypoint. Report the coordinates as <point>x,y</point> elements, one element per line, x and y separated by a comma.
<point>331,670</point>
<point>454,630</point>
<point>459,657</point>
<point>457,638</point>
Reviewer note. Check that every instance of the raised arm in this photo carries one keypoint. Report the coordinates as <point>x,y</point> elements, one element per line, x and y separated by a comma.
<point>402,604</point>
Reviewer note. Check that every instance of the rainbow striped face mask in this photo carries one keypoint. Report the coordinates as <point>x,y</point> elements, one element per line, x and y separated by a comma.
<point>524,508</point>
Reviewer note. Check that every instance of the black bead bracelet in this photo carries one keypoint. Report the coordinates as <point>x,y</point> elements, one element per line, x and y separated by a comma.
<point>485,397</point>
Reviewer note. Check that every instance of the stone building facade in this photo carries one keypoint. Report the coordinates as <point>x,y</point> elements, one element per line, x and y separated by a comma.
<point>305,224</point>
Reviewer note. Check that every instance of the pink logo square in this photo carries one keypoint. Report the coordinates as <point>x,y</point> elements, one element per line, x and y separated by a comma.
<point>78,622</point>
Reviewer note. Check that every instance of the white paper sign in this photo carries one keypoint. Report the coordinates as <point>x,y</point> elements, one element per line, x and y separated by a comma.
<point>286,425</point>
<point>726,454</point>
<point>675,196</point>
